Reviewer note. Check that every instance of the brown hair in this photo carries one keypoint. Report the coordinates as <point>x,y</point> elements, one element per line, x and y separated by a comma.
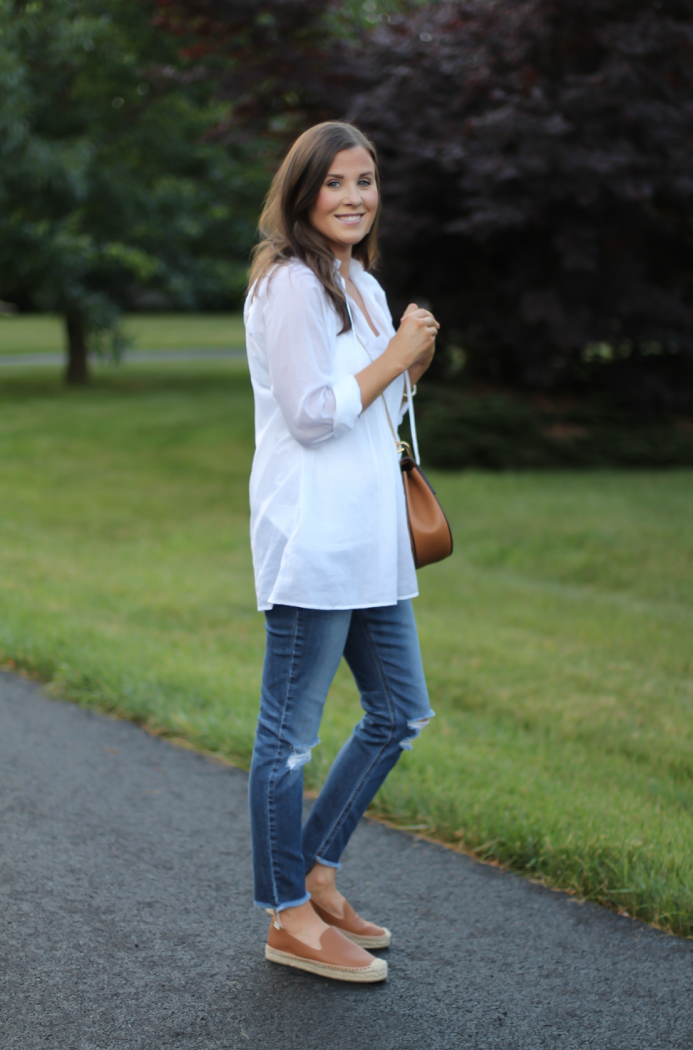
<point>286,230</point>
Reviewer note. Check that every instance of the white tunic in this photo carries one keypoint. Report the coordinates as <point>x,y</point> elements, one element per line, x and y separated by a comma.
<point>328,519</point>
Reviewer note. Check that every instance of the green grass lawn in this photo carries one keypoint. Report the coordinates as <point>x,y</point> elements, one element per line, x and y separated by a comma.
<point>43,333</point>
<point>557,640</point>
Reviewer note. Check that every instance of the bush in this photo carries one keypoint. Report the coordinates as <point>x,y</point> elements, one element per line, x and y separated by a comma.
<point>501,431</point>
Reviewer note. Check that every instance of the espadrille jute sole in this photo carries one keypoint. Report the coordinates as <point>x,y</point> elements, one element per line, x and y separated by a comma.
<point>377,971</point>
<point>383,941</point>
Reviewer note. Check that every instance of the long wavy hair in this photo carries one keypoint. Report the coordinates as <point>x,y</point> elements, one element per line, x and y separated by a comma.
<point>286,230</point>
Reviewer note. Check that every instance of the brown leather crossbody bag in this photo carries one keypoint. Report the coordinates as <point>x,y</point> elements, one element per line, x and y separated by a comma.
<point>429,530</point>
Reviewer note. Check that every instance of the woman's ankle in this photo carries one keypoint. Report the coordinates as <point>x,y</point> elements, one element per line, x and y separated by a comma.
<point>323,889</point>
<point>295,916</point>
<point>303,923</point>
<point>321,878</point>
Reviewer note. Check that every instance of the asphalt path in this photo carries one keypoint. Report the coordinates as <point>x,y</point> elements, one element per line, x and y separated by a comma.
<point>131,357</point>
<point>127,923</point>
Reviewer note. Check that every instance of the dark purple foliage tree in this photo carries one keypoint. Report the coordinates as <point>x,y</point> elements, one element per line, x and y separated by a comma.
<point>538,171</point>
<point>537,161</point>
<point>285,64</point>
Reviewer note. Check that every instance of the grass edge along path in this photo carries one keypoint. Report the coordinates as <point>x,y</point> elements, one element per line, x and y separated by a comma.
<point>92,695</point>
<point>552,645</point>
<point>532,855</point>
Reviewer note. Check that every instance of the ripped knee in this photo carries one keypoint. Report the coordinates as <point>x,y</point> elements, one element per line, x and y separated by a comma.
<point>415,727</point>
<point>299,757</point>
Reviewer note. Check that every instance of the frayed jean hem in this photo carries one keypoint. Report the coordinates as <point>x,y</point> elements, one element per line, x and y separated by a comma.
<point>328,863</point>
<point>281,907</point>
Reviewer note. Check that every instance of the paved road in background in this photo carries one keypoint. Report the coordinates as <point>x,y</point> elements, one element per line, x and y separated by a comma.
<point>209,354</point>
<point>126,921</point>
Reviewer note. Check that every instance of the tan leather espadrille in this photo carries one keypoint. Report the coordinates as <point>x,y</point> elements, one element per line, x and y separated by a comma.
<point>365,934</point>
<point>338,957</point>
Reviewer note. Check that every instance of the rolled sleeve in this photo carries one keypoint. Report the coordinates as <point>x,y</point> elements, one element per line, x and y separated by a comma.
<point>300,334</point>
<point>348,407</point>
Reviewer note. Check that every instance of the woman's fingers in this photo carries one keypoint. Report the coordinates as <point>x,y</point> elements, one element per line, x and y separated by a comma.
<point>422,318</point>
<point>431,328</point>
<point>416,338</point>
<point>427,317</point>
<point>413,311</point>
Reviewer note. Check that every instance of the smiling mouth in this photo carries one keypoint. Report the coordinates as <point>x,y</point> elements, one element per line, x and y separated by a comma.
<point>351,220</point>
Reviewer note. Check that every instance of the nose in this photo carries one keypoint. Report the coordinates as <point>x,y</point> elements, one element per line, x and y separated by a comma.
<point>353,195</point>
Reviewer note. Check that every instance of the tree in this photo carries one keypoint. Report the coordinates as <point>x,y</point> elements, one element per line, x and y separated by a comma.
<point>537,161</point>
<point>283,64</point>
<point>538,171</point>
<point>108,178</point>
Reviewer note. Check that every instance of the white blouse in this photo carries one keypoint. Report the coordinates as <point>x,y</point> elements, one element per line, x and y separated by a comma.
<point>328,520</point>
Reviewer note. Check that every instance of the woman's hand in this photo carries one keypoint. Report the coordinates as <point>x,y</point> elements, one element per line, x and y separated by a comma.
<point>421,364</point>
<point>414,344</point>
<point>411,348</point>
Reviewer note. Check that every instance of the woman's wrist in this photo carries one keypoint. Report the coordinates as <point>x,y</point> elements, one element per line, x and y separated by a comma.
<point>376,377</point>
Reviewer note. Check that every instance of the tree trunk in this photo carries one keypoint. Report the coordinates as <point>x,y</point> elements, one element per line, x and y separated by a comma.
<point>77,364</point>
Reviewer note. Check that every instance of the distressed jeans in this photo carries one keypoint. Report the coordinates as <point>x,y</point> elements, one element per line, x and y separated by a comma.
<point>304,648</point>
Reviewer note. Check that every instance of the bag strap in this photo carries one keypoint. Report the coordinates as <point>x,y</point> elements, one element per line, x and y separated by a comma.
<point>400,445</point>
<point>412,418</point>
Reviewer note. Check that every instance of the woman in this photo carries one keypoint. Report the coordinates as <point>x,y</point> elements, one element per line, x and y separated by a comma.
<point>333,565</point>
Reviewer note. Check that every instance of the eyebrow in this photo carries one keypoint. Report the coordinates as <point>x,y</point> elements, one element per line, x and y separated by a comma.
<point>333,175</point>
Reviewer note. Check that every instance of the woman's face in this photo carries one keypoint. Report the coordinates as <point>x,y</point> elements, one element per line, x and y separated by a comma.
<point>346,206</point>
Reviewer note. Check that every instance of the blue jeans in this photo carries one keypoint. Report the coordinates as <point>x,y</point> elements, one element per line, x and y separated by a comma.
<point>304,648</point>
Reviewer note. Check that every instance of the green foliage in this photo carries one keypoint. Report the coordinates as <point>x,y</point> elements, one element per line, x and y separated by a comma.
<point>282,66</point>
<point>109,181</point>
<point>556,639</point>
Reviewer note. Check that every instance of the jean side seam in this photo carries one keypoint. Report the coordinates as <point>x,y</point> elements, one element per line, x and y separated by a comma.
<point>327,841</point>
<point>273,775</point>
